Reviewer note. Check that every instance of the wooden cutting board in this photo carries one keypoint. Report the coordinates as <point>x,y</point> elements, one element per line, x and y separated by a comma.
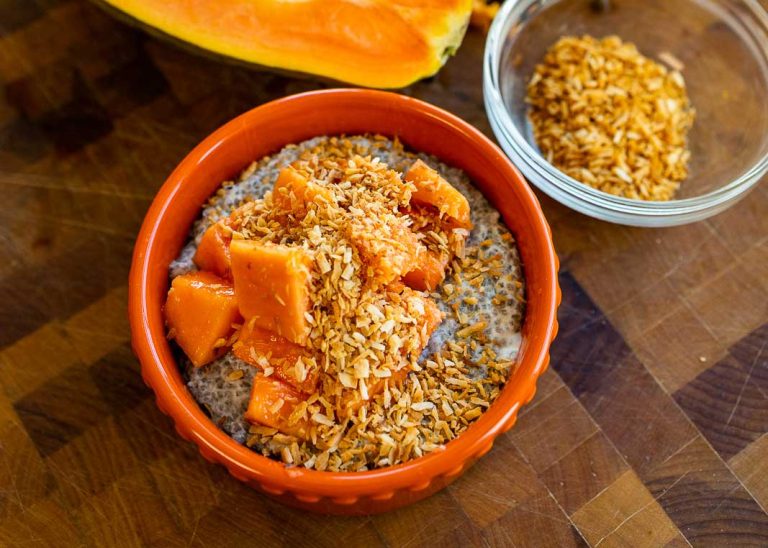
<point>650,428</point>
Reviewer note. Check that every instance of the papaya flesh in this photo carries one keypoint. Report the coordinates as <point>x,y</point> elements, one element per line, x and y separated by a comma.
<point>428,273</point>
<point>212,253</point>
<point>200,312</point>
<point>271,404</point>
<point>293,191</point>
<point>388,252</point>
<point>261,348</point>
<point>433,190</point>
<point>431,318</point>
<point>422,307</point>
<point>428,317</point>
<point>377,43</point>
<point>272,287</point>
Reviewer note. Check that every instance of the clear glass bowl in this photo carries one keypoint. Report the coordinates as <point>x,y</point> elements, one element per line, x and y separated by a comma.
<point>724,47</point>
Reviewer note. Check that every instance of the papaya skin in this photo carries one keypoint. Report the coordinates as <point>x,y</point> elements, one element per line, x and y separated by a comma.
<point>272,287</point>
<point>432,190</point>
<point>200,312</point>
<point>380,43</point>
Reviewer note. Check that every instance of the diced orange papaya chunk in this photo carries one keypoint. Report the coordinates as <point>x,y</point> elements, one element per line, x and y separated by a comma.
<point>397,377</point>
<point>421,307</point>
<point>200,311</point>
<point>272,403</point>
<point>272,287</point>
<point>265,343</point>
<point>264,348</point>
<point>388,251</point>
<point>212,253</point>
<point>433,190</point>
<point>238,215</point>
<point>428,273</point>
<point>293,191</point>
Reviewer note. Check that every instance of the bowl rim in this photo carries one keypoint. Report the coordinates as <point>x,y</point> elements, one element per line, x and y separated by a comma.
<point>588,198</point>
<point>272,476</point>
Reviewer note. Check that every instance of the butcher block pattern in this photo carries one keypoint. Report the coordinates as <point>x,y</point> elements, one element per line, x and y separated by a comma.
<point>649,429</point>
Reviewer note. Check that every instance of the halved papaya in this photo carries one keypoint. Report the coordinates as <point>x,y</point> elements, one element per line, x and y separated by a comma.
<point>260,347</point>
<point>200,312</point>
<point>433,190</point>
<point>376,43</point>
<point>272,287</point>
<point>272,403</point>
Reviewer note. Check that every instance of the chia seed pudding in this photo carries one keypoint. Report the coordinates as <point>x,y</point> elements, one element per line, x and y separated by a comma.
<point>493,304</point>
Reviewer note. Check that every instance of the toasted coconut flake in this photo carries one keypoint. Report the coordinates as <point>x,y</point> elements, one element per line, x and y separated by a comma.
<point>235,375</point>
<point>277,406</point>
<point>472,329</point>
<point>319,418</point>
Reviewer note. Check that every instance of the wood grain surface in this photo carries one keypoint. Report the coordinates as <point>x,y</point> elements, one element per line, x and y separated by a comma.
<point>649,430</point>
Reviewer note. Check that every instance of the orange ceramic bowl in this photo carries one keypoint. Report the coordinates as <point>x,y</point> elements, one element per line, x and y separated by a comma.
<point>265,130</point>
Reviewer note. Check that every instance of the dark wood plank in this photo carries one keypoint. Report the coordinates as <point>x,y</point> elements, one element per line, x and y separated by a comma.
<point>705,500</point>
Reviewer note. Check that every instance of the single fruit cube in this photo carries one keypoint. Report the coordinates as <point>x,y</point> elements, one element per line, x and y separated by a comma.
<point>212,253</point>
<point>272,403</point>
<point>200,310</point>
<point>428,273</point>
<point>293,191</point>
<point>264,348</point>
<point>433,190</point>
<point>238,215</point>
<point>387,251</point>
<point>272,287</point>
<point>421,307</point>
